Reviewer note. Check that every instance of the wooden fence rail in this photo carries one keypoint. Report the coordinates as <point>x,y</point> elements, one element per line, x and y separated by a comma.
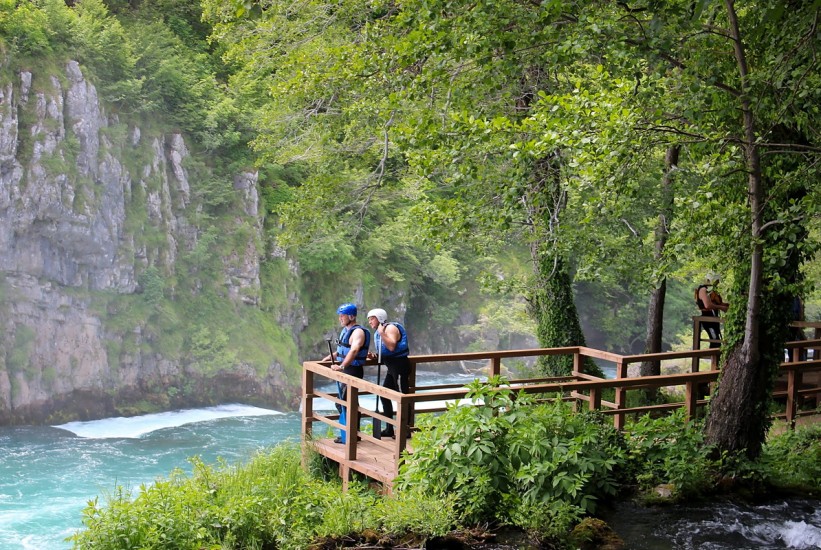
<point>378,459</point>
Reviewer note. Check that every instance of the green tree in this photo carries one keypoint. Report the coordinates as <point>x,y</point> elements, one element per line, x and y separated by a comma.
<point>389,95</point>
<point>545,123</point>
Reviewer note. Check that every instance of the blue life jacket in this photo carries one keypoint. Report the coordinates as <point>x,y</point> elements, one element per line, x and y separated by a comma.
<point>401,349</point>
<point>344,345</point>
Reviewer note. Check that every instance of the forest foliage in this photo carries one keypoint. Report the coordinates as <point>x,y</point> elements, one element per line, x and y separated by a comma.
<point>419,171</point>
<point>551,126</point>
<point>545,126</point>
<point>426,152</point>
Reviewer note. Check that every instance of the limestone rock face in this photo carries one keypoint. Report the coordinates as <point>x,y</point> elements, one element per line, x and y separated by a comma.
<point>78,192</point>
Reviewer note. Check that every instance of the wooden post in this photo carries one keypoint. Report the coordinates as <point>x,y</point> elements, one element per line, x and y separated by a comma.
<point>595,400</point>
<point>690,399</point>
<point>496,366</point>
<point>307,410</point>
<point>792,388</point>
<point>352,423</point>
<point>578,363</point>
<point>411,418</point>
<point>621,396</point>
<point>696,342</point>
<point>345,474</point>
<point>307,402</point>
<point>402,430</point>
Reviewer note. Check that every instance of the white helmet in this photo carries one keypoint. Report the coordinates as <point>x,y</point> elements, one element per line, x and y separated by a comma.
<point>712,278</point>
<point>380,314</point>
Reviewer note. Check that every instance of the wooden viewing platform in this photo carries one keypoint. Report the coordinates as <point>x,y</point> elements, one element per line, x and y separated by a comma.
<point>378,459</point>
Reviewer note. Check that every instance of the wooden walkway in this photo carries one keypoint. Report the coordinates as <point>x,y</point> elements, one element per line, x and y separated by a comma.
<point>378,459</point>
<point>372,460</point>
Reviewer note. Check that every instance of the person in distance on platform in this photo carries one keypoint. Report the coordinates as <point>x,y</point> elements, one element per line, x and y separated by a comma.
<point>710,303</point>
<point>351,353</point>
<point>391,344</point>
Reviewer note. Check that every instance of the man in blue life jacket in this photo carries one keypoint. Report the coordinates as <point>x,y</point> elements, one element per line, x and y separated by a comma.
<point>391,343</point>
<point>351,353</point>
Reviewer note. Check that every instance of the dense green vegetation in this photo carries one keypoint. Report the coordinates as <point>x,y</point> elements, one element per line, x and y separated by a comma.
<point>154,68</point>
<point>649,139</point>
<point>458,162</point>
<point>505,462</point>
<point>269,501</point>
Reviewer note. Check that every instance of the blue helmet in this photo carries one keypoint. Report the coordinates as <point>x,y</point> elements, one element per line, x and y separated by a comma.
<point>346,309</point>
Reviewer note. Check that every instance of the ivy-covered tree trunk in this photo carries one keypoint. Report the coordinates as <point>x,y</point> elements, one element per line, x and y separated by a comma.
<point>739,413</point>
<point>552,306</point>
<point>551,296</point>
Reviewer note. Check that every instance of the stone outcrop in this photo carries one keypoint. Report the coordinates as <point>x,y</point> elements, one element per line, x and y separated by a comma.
<point>78,190</point>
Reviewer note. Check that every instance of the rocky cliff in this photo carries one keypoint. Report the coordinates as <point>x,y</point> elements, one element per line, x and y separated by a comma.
<point>101,225</point>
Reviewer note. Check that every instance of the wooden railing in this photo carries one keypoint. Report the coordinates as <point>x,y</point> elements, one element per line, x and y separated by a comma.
<point>580,387</point>
<point>801,358</point>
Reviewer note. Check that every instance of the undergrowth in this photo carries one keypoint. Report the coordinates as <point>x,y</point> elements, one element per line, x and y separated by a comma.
<point>507,461</point>
<point>270,502</point>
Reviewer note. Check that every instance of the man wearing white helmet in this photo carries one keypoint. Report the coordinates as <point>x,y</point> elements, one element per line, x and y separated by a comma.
<point>709,301</point>
<point>391,343</point>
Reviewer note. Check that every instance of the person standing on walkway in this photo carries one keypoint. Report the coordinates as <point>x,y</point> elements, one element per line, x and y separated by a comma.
<point>710,303</point>
<point>351,353</point>
<point>391,344</point>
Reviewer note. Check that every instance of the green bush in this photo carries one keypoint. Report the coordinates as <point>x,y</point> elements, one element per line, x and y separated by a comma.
<point>25,27</point>
<point>792,460</point>
<point>670,450</point>
<point>510,459</point>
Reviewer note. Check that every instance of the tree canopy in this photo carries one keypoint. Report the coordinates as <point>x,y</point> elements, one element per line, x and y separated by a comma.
<point>548,125</point>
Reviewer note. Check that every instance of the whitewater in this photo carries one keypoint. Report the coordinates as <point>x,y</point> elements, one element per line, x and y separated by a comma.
<point>49,474</point>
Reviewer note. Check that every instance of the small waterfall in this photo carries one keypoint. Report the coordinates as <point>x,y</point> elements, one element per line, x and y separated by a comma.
<point>784,523</point>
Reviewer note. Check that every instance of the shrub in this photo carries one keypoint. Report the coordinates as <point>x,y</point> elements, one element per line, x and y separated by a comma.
<point>670,450</point>
<point>792,460</point>
<point>510,459</point>
<point>271,502</point>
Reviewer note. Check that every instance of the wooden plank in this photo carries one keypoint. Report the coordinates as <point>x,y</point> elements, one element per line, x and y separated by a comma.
<point>598,354</point>
<point>372,460</point>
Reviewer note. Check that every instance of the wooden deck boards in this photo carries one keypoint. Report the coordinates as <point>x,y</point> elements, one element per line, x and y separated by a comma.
<point>372,459</point>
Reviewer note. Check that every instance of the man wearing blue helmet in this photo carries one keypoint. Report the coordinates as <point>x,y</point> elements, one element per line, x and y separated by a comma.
<point>351,353</point>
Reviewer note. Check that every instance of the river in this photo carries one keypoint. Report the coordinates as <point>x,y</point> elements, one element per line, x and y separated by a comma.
<point>48,474</point>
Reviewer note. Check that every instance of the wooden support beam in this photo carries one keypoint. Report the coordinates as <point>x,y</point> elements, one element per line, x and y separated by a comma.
<point>495,366</point>
<point>792,398</point>
<point>621,396</point>
<point>690,399</point>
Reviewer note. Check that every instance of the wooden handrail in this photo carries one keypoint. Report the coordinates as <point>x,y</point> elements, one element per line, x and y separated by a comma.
<point>580,387</point>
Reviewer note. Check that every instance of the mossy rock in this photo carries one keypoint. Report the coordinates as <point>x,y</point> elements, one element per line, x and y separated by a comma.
<point>595,534</point>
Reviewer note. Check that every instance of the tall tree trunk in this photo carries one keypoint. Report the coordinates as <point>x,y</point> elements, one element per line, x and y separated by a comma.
<point>551,299</point>
<point>737,420</point>
<point>655,309</point>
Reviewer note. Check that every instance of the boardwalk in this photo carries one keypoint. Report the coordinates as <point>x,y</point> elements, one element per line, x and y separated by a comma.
<point>378,459</point>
